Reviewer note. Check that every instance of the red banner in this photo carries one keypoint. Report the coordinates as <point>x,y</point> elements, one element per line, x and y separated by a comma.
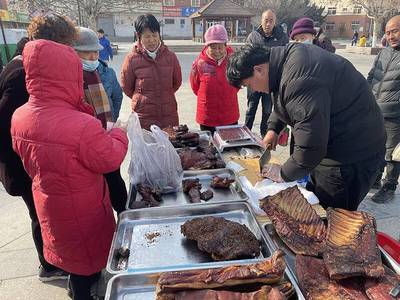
<point>171,11</point>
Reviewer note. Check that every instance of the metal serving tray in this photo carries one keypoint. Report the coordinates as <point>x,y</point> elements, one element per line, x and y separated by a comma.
<point>249,138</point>
<point>142,286</point>
<point>275,242</point>
<point>169,249</point>
<point>233,193</point>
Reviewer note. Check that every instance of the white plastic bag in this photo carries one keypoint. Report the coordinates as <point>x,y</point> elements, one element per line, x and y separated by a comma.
<point>154,161</point>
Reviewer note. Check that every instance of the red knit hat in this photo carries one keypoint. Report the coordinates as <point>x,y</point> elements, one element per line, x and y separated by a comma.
<point>303,25</point>
<point>216,34</point>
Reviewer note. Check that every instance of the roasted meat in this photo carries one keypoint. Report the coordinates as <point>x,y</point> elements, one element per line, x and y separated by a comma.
<point>265,293</point>
<point>221,183</point>
<point>180,137</point>
<point>295,221</point>
<point>200,158</point>
<point>269,271</point>
<point>206,195</point>
<point>351,246</point>
<point>181,128</point>
<point>315,283</point>
<point>233,134</point>
<point>188,184</point>
<point>221,238</point>
<point>195,195</point>
<point>379,289</point>
<point>150,195</point>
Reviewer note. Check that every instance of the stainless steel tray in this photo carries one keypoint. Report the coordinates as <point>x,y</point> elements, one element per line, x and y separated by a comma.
<point>275,242</point>
<point>142,286</point>
<point>234,193</point>
<point>221,145</point>
<point>170,250</point>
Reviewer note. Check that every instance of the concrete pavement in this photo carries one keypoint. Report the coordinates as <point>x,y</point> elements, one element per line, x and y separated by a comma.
<point>18,260</point>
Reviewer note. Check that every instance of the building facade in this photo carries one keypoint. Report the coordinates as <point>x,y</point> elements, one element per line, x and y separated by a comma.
<point>343,19</point>
<point>172,14</point>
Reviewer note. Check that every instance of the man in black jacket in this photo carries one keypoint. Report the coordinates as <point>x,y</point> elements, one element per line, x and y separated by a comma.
<point>270,35</point>
<point>384,79</point>
<point>337,126</point>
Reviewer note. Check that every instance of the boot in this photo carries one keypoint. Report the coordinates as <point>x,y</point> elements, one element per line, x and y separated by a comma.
<point>385,194</point>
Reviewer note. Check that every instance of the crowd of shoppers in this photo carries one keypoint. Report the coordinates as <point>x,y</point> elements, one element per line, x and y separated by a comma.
<point>62,145</point>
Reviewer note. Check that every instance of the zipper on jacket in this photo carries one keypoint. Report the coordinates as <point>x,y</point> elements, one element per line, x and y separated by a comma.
<point>378,91</point>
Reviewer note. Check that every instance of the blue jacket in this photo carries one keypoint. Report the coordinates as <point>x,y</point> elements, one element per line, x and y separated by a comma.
<point>112,87</point>
<point>105,54</point>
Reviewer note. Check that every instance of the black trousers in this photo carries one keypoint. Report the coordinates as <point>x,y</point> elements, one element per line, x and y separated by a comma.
<point>36,232</point>
<point>344,186</point>
<point>253,98</point>
<point>117,189</point>
<point>392,127</point>
<point>211,129</point>
<point>81,285</point>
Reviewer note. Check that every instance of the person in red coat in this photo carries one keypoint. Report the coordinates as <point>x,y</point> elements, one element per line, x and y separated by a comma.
<point>217,102</point>
<point>151,75</point>
<point>66,151</point>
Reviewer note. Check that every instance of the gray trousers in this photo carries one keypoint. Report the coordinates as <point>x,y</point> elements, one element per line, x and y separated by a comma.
<point>392,127</point>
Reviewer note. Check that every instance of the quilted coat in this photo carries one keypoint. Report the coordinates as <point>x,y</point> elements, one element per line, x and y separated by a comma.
<point>65,151</point>
<point>151,84</point>
<point>217,101</point>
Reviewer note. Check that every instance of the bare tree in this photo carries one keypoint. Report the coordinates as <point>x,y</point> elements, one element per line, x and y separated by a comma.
<point>85,12</point>
<point>378,11</point>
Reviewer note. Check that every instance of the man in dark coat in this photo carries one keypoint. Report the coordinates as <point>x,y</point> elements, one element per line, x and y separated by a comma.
<point>267,34</point>
<point>337,125</point>
<point>384,79</point>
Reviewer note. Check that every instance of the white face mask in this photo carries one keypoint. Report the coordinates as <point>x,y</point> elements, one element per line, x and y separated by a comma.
<point>153,54</point>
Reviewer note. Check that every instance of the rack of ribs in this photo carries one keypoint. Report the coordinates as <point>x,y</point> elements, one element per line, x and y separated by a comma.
<point>315,283</point>
<point>221,238</point>
<point>295,221</point>
<point>351,245</point>
<point>270,271</point>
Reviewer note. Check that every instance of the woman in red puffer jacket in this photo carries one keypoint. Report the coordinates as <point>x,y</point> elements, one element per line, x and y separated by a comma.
<point>217,102</point>
<point>66,151</point>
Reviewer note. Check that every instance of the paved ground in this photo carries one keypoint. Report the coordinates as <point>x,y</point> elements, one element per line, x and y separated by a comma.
<point>18,261</point>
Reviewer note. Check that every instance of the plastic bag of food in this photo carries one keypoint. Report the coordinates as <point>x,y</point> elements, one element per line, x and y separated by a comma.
<point>154,161</point>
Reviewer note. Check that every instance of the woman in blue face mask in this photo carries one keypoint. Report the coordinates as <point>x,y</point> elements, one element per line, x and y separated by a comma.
<point>104,94</point>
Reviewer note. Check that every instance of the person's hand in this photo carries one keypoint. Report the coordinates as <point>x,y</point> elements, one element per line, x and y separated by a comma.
<point>271,139</point>
<point>272,172</point>
<point>121,125</point>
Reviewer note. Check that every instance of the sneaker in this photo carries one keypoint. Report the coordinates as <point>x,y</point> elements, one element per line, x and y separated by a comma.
<point>383,195</point>
<point>46,276</point>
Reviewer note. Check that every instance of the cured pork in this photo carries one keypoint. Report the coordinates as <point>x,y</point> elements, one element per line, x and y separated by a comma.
<point>351,246</point>
<point>295,221</point>
<point>379,289</point>
<point>265,293</point>
<point>315,283</point>
<point>269,271</point>
<point>221,238</point>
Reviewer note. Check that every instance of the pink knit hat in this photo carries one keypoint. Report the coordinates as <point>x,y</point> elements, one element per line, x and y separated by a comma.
<point>216,34</point>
